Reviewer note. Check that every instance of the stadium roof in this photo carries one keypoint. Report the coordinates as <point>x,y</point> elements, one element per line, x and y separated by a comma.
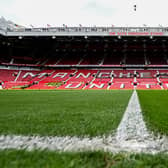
<point>85,12</point>
<point>85,31</point>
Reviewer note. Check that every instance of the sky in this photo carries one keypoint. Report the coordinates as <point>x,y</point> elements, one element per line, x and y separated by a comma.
<point>85,12</point>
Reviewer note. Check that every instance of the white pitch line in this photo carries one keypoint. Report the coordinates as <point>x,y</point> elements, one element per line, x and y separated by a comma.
<point>131,136</point>
<point>50,143</point>
<point>132,125</point>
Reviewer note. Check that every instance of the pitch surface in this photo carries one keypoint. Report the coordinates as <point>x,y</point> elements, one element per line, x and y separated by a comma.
<point>154,104</point>
<point>61,113</point>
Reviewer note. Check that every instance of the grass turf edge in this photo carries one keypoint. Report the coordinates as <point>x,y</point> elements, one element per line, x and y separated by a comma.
<point>22,158</point>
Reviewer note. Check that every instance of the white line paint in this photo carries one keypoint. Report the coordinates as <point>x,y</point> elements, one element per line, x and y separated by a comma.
<point>131,136</point>
<point>51,143</point>
<point>132,125</point>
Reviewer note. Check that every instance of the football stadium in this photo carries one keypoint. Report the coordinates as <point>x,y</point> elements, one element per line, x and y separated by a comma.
<point>83,96</point>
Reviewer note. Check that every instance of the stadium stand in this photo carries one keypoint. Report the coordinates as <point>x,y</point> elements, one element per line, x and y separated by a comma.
<point>83,62</point>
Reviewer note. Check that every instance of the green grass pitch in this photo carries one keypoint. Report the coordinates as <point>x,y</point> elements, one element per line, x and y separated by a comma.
<point>46,159</point>
<point>154,104</point>
<point>77,113</point>
<point>60,113</point>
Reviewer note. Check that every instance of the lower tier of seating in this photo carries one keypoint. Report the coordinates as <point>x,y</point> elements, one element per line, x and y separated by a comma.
<point>83,79</point>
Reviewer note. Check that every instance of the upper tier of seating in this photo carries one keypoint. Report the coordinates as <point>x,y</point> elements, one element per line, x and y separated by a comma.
<point>88,59</point>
